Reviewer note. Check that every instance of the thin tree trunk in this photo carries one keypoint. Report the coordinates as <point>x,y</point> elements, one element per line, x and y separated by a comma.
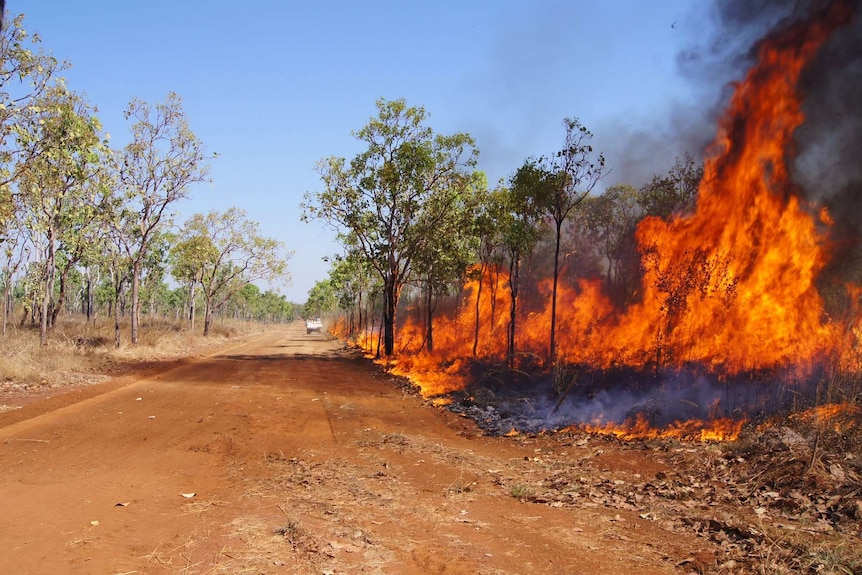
<point>7,304</point>
<point>380,333</point>
<point>552,352</point>
<point>429,333</point>
<point>192,307</point>
<point>390,302</point>
<point>514,270</point>
<point>208,313</point>
<point>61,298</point>
<point>478,309</point>
<point>116,306</point>
<point>49,285</point>
<point>136,281</point>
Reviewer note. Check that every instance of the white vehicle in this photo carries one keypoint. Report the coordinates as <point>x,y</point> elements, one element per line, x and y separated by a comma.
<point>313,325</point>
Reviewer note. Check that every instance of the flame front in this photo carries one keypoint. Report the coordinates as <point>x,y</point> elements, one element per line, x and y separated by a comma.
<point>730,287</point>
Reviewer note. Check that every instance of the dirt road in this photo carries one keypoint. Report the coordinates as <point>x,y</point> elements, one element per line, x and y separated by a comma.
<point>301,458</point>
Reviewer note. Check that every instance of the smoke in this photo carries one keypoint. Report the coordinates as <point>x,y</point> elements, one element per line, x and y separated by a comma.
<point>830,142</point>
<point>826,167</point>
<point>828,145</point>
<point>621,397</point>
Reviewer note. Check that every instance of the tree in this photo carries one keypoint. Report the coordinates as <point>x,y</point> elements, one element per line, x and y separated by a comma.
<point>189,258</point>
<point>442,261</point>
<point>26,73</point>
<point>382,196</point>
<point>233,254</point>
<point>675,192</point>
<point>521,229</point>
<point>562,182</point>
<point>62,144</point>
<point>609,220</point>
<point>322,299</point>
<point>352,278</point>
<point>488,226</point>
<point>156,169</point>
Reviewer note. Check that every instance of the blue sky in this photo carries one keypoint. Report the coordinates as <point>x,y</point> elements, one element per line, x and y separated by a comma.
<point>274,86</point>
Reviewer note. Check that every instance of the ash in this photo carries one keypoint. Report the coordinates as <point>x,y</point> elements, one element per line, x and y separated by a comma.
<point>532,404</point>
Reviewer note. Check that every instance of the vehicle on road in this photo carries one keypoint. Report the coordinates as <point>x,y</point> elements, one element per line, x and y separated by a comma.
<point>313,325</point>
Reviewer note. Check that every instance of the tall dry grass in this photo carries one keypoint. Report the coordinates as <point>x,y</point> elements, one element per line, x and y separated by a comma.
<point>78,349</point>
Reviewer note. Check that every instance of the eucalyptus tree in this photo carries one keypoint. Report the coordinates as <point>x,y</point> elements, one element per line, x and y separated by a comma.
<point>351,277</point>
<point>155,170</point>
<point>488,226</point>
<point>26,74</point>
<point>674,192</point>
<point>189,256</point>
<point>608,221</point>
<point>16,252</point>
<point>521,226</point>
<point>62,143</point>
<point>382,195</point>
<point>235,254</point>
<point>443,260</point>
<point>322,299</point>
<point>565,179</point>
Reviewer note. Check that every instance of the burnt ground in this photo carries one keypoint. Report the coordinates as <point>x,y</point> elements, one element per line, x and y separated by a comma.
<point>286,453</point>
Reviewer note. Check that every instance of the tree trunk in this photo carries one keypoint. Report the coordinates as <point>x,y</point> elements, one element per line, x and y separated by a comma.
<point>380,334</point>
<point>390,302</point>
<point>552,352</point>
<point>478,309</point>
<point>7,304</point>
<point>359,312</point>
<point>49,288</point>
<point>495,285</point>
<point>208,316</point>
<point>192,306</point>
<point>61,299</point>
<point>514,270</point>
<point>429,328</point>
<point>116,306</point>
<point>136,284</point>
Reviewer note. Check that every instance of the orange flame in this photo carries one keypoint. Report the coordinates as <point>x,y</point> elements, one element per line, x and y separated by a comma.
<point>839,417</point>
<point>730,286</point>
<point>721,429</point>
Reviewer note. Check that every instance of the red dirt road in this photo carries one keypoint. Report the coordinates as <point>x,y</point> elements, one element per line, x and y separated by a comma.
<point>302,458</point>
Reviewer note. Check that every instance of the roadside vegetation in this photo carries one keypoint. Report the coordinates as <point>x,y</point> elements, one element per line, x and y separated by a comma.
<point>91,255</point>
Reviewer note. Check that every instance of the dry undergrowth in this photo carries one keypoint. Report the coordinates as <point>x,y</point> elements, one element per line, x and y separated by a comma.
<point>81,353</point>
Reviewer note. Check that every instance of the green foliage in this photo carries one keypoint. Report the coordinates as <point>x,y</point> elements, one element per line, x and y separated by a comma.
<point>675,192</point>
<point>223,253</point>
<point>61,152</point>
<point>322,299</point>
<point>392,197</point>
<point>155,170</point>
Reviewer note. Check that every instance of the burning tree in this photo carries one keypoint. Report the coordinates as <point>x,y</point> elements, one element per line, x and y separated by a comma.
<point>393,196</point>
<point>721,287</point>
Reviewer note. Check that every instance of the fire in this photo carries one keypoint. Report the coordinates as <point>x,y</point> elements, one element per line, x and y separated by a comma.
<point>839,417</point>
<point>730,287</point>
<point>721,429</point>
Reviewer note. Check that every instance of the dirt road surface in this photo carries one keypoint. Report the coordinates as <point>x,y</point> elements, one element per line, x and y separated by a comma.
<point>285,453</point>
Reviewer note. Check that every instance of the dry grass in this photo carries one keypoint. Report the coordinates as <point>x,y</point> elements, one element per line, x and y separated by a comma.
<point>80,353</point>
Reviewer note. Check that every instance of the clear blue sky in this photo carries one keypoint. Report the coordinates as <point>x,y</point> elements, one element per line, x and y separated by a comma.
<point>273,86</point>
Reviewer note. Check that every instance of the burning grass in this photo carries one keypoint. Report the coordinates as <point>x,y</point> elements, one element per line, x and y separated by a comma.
<point>728,325</point>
